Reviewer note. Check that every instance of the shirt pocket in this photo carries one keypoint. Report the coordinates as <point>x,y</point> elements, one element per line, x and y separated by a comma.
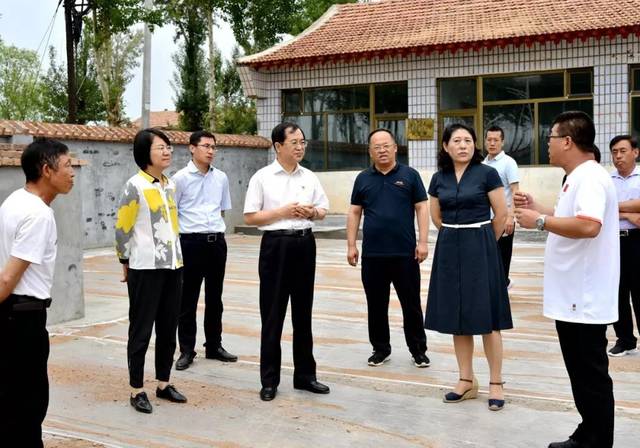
<point>304,194</point>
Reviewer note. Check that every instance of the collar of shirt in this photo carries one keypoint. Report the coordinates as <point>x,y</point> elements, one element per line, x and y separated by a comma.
<point>635,172</point>
<point>152,179</point>
<point>194,169</point>
<point>498,157</point>
<point>277,168</point>
<point>393,170</point>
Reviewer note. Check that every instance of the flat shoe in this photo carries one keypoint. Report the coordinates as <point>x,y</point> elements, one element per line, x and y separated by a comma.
<point>170,393</point>
<point>141,403</point>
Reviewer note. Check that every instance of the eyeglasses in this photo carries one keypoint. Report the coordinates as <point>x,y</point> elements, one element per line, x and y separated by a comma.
<point>549,137</point>
<point>302,143</point>
<point>387,147</point>
<point>207,147</point>
<point>163,148</point>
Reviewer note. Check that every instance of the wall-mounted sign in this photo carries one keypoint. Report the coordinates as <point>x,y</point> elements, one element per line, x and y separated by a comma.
<point>420,128</point>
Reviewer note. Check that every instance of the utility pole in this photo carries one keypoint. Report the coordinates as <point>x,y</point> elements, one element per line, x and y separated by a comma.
<point>72,89</point>
<point>146,71</point>
<point>212,72</point>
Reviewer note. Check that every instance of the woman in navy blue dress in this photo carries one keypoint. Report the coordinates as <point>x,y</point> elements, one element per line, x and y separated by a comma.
<point>467,290</point>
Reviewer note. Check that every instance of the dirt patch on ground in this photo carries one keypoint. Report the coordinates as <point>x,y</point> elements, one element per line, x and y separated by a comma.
<point>66,442</point>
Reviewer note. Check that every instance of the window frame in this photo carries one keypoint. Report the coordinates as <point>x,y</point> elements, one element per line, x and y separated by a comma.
<point>634,93</point>
<point>478,111</point>
<point>374,117</point>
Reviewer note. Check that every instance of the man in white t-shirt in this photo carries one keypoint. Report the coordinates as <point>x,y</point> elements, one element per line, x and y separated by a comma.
<point>581,272</point>
<point>27,258</point>
<point>507,168</point>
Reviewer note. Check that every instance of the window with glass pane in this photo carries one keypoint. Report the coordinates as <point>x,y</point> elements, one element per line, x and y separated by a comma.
<point>398,128</point>
<point>547,112</point>
<point>391,98</point>
<point>347,141</point>
<point>458,93</point>
<point>313,128</point>
<point>292,101</point>
<point>348,98</point>
<point>504,88</point>
<point>517,121</point>
<point>468,120</point>
<point>636,79</point>
<point>635,116</point>
<point>580,83</point>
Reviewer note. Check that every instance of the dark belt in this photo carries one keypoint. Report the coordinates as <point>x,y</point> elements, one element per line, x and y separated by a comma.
<point>208,237</point>
<point>289,232</point>
<point>630,232</point>
<point>27,303</point>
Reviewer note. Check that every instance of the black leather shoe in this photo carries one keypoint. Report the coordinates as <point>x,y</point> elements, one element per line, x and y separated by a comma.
<point>268,393</point>
<point>141,403</point>
<point>221,355</point>
<point>170,393</point>
<point>311,386</point>
<point>185,360</point>
<point>569,443</point>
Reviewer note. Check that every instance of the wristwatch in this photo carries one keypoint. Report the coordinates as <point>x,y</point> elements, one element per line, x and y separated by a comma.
<point>540,222</point>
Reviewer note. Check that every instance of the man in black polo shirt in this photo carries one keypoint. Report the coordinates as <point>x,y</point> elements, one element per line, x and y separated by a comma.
<point>391,195</point>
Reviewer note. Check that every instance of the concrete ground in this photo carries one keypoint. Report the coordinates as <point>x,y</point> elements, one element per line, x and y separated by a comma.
<point>396,405</point>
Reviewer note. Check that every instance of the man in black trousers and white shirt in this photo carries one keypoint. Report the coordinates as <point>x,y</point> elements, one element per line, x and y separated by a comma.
<point>283,199</point>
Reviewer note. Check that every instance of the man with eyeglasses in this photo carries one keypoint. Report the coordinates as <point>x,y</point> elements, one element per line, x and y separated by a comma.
<point>391,195</point>
<point>626,178</point>
<point>284,199</point>
<point>202,196</point>
<point>507,168</point>
<point>581,272</point>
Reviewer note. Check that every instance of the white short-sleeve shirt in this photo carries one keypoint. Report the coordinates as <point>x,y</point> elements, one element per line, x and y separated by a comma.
<point>507,168</point>
<point>28,232</point>
<point>627,188</point>
<point>272,187</point>
<point>581,274</point>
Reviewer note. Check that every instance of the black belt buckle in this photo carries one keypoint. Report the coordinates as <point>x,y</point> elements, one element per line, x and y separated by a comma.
<point>212,237</point>
<point>624,232</point>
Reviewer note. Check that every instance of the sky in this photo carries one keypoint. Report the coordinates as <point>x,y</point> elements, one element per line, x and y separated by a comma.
<point>25,24</point>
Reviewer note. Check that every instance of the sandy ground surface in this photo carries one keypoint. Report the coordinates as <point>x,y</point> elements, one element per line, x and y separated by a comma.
<point>395,405</point>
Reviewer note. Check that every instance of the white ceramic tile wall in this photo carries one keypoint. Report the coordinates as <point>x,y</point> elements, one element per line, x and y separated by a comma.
<point>609,58</point>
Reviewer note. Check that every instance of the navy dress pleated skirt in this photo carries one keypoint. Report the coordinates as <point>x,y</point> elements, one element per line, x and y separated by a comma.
<point>467,290</point>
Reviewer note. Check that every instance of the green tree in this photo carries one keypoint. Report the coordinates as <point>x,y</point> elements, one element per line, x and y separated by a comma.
<point>116,48</point>
<point>308,11</point>
<point>91,108</point>
<point>20,91</point>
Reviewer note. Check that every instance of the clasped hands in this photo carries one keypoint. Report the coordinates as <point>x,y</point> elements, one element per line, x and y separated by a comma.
<point>295,210</point>
<point>525,210</point>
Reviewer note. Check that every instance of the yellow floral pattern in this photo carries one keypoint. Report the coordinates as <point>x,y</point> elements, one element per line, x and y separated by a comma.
<point>127,215</point>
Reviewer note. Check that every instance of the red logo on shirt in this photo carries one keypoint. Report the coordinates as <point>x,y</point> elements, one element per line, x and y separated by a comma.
<point>566,187</point>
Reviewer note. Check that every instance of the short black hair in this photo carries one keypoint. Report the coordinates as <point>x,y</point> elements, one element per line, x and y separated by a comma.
<point>445,162</point>
<point>375,131</point>
<point>279,133</point>
<point>41,152</point>
<point>618,138</point>
<point>579,126</point>
<point>142,145</point>
<point>196,136</point>
<point>495,128</point>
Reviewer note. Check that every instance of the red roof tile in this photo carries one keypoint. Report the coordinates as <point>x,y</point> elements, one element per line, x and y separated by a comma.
<point>111,134</point>
<point>390,27</point>
<point>161,119</point>
<point>10,155</point>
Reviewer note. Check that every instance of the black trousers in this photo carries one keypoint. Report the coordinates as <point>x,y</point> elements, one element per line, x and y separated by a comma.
<point>584,349</point>
<point>202,260</point>
<point>377,275</point>
<point>505,245</point>
<point>154,297</point>
<point>287,268</point>
<point>24,383</point>
<point>629,285</point>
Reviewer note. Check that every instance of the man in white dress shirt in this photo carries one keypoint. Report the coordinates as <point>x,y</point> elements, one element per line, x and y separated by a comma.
<point>283,199</point>
<point>626,178</point>
<point>581,272</point>
<point>202,196</point>
<point>28,247</point>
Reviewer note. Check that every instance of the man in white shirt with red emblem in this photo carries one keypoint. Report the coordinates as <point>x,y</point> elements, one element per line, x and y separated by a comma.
<point>283,199</point>
<point>581,272</point>
<point>28,245</point>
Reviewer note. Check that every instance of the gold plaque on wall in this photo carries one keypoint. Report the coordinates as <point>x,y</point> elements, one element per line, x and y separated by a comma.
<point>420,128</point>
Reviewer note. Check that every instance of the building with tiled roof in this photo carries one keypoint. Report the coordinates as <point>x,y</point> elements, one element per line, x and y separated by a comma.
<point>163,119</point>
<point>414,66</point>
